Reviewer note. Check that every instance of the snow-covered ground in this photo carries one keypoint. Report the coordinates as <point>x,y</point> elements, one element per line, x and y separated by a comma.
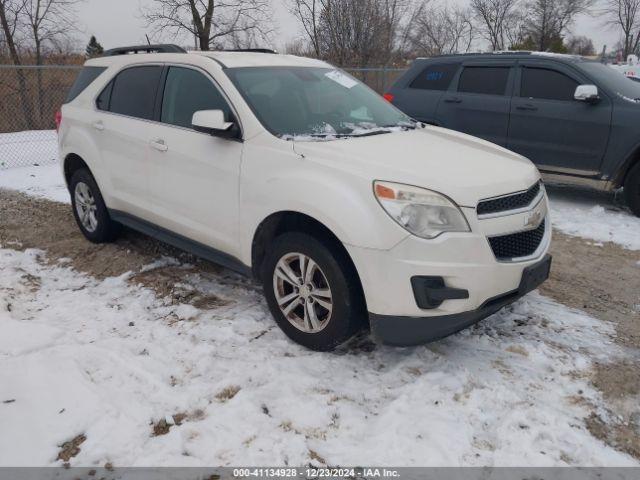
<point>36,147</point>
<point>580,213</point>
<point>106,359</point>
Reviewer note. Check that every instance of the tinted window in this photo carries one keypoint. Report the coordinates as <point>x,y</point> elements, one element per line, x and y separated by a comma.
<point>85,78</point>
<point>435,77</point>
<point>104,99</point>
<point>547,84</point>
<point>484,80</point>
<point>134,92</point>
<point>186,92</point>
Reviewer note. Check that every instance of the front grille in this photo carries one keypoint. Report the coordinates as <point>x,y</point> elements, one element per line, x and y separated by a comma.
<point>509,202</point>
<point>516,245</point>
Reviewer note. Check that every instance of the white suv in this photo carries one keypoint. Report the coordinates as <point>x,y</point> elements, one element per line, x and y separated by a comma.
<point>348,211</point>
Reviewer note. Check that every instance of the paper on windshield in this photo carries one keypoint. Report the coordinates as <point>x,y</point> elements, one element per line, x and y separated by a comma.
<point>339,77</point>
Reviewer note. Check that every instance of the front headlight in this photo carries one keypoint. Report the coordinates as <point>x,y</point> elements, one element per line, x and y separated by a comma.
<point>422,212</point>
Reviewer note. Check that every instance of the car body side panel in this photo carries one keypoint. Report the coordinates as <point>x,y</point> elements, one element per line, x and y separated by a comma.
<point>274,181</point>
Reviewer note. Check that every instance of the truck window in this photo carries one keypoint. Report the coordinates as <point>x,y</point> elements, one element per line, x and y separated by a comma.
<point>435,77</point>
<point>484,80</point>
<point>542,83</point>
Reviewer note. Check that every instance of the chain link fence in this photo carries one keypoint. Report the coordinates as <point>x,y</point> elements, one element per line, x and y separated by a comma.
<point>31,96</point>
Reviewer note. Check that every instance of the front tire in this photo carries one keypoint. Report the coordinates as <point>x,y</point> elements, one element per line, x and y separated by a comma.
<point>312,292</point>
<point>632,190</point>
<point>89,209</point>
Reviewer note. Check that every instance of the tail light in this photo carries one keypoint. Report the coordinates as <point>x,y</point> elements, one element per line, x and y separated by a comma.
<point>388,97</point>
<point>58,118</point>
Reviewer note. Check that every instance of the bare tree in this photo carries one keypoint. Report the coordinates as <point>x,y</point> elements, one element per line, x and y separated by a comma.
<point>580,45</point>
<point>497,18</point>
<point>547,21</point>
<point>214,23</point>
<point>355,32</point>
<point>47,21</point>
<point>441,30</point>
<point>10,12</point>
<point>624,15</point>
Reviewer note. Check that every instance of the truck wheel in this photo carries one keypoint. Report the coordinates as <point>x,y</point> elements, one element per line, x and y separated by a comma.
<point>311,292</point>
<point>89,210</point>
<point>632,190</point>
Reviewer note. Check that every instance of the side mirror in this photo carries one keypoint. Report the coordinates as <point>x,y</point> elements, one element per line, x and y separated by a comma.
<point>213,123</point>
<point>587,93</point>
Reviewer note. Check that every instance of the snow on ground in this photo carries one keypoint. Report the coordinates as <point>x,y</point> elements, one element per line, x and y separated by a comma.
<point>35,147</point>
<point>106,359</point>
<point>593,215</point>
<point>44,181</point>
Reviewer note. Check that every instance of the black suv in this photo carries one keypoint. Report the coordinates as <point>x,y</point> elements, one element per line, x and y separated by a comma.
<point>576,119</point>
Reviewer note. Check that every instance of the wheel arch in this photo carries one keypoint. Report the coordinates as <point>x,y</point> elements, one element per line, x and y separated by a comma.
<point>631,161</point>
<point>72,163</point>
<point>291,221</point>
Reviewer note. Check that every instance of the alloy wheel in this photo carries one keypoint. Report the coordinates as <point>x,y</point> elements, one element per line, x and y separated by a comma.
<point>303,292</point>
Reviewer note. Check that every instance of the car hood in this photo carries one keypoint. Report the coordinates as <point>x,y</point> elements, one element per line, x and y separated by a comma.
<point>462,167</point>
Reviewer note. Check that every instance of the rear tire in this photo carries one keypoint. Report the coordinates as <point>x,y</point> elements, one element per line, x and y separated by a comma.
<point>89,210</point>
<point>311,291</point>
<point>632,190</point>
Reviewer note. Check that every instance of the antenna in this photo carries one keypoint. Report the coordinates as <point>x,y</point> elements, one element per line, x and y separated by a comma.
<point>148,41</point>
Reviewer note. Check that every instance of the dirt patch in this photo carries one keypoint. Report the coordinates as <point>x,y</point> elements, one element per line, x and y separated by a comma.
<point>228,393</point>
<point>29,222</point>
<point>70,449</point>
<point>602,281</point>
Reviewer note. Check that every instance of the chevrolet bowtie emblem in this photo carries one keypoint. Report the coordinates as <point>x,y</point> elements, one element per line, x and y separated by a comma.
<point>533,219</point>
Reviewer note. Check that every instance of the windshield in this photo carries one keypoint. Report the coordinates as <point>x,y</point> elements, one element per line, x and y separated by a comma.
<point>315,103</point>
<point>613,80</point>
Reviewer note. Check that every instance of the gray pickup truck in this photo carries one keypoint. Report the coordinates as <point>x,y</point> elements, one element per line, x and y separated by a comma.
<point>576,119</point>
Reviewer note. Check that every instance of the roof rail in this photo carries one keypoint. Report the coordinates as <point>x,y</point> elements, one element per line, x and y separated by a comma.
<point>164,48</point>
<point>251,50</point>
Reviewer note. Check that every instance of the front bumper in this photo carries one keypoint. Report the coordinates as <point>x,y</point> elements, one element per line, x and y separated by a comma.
<point>407,331</point>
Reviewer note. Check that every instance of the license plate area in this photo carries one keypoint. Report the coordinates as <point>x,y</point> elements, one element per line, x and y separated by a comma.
<point>534,275</point>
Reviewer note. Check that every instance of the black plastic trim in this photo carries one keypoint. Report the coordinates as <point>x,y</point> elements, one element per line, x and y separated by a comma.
<point>178,241</point>
<point>409,331</point>
<point>162,48</point>
<point>431,292</point>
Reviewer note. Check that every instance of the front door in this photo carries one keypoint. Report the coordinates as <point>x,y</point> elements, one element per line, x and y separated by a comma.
<point>479,102</point>
<point>194,177</point>
<point>551,128</point>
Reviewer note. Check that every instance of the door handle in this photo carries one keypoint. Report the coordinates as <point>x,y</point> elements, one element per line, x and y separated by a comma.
<point>527,107</point>
<point>453,100</point>
<point>159,145</point>
<point>98,125</point>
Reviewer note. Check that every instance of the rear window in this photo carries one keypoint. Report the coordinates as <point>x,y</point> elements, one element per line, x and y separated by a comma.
<point>435,77</point>
<point>134,92</point>
<point>547,84</point>
<point>484,80</point>
<point>85,78</point>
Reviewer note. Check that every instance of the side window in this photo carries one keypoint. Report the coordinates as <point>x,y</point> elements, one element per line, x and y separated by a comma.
<point>547,84</point>
<point>104,99</point>
<point>484,80</point>
<point>435,77</point>
<point>133,92</point>
<point>186,92</point>
<point>85,78</point>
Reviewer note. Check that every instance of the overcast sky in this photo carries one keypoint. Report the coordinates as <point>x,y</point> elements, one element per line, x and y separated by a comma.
<point>117,23</point>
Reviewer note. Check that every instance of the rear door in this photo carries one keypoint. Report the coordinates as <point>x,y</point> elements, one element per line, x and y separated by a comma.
<point>551,128</point>
<point>418,94</point>
<point>479,101</point>
<point>125,110</point>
